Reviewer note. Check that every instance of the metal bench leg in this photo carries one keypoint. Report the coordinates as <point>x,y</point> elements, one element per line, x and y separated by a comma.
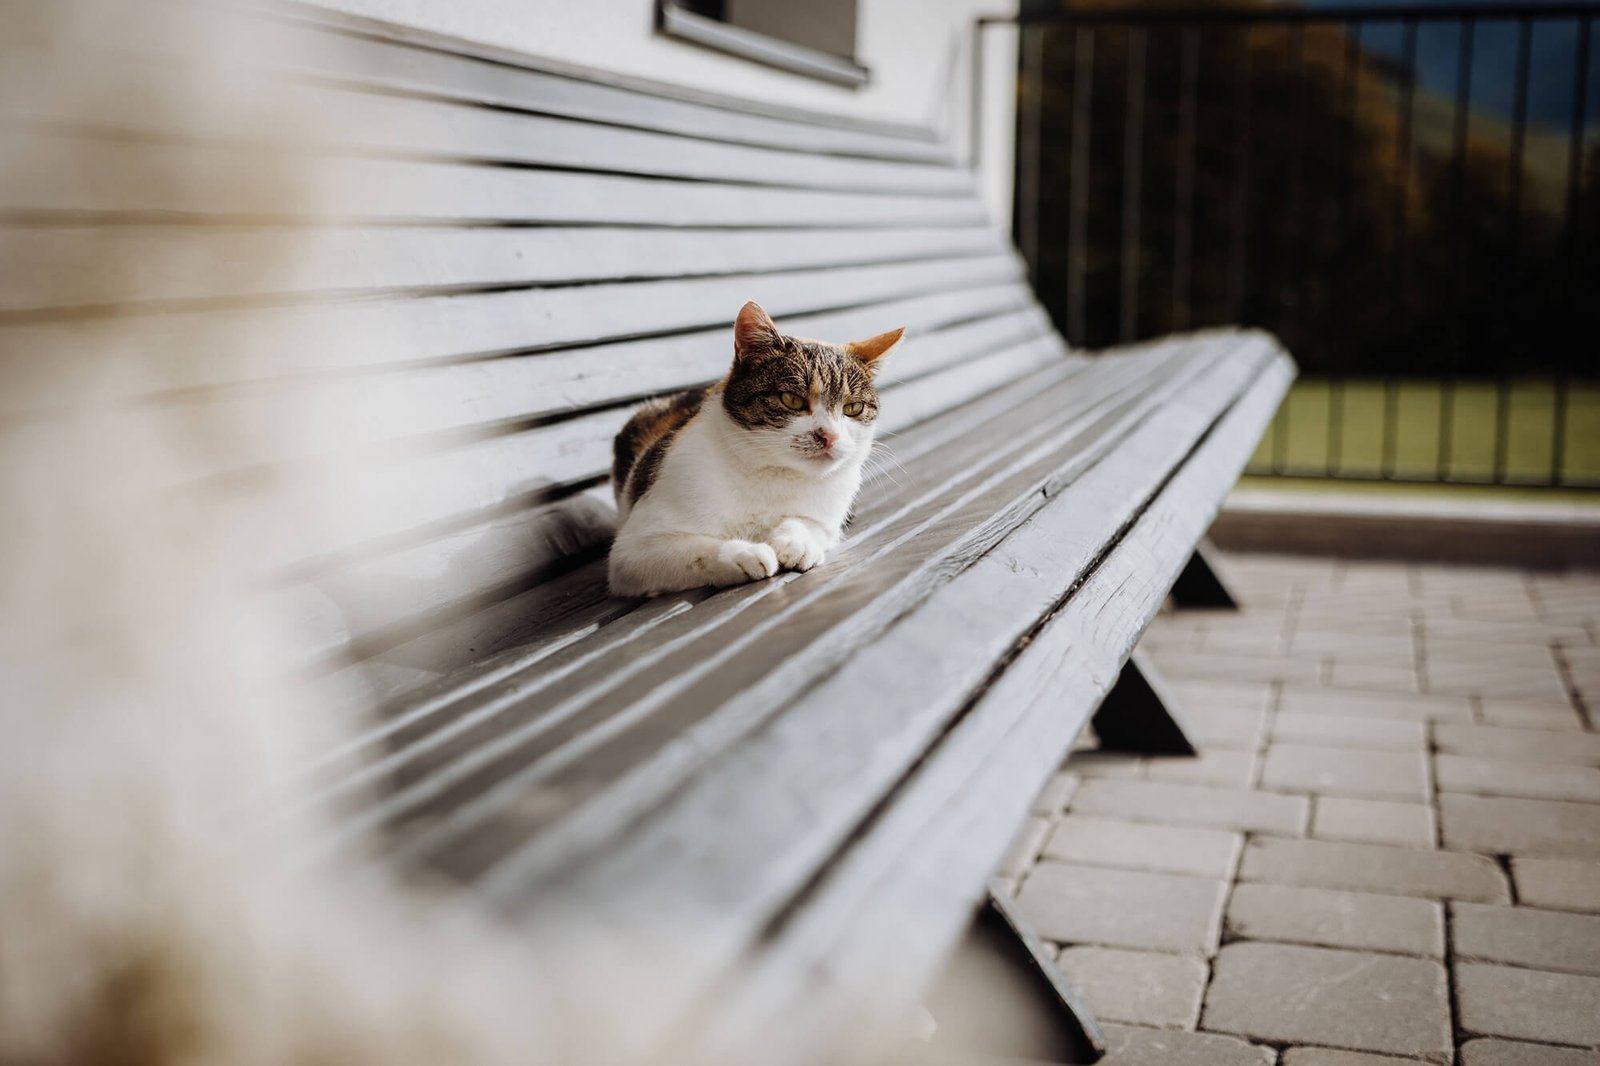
<point>1199,584</point>
<point>1138,714</point>
<point>1003,996</point>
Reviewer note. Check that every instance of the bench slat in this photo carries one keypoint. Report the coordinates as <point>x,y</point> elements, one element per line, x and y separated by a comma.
<point>60,173</point>
<point>765,821</point>
<point>72,266</point>
<point>515,83</point>
<point>345,121</point>
<point>952,439</point>
<point>223,348</point>
<point>526,629</point>
<point>941,498</point>
<point>457,572</point>
<point>320,46</point>
<point>891,907</point>
<point>491,396</point>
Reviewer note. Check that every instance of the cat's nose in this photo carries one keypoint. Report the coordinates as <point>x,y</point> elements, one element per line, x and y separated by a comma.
<point>824,438</point>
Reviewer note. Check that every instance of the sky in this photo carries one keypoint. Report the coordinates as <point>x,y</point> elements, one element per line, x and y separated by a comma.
<point>1552,70</point>
<point>1551,67</point>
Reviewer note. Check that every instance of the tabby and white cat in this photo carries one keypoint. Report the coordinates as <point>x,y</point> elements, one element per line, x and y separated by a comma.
<point>755,473</point>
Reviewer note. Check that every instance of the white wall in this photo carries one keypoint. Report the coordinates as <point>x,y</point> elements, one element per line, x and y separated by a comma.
<point>917,51</point>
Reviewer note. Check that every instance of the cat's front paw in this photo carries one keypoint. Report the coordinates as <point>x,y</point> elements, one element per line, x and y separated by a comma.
<point>739,561</point>
<point>796,549</point>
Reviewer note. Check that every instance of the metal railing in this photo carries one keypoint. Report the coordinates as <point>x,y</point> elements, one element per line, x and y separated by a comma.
<point>1409,196</point>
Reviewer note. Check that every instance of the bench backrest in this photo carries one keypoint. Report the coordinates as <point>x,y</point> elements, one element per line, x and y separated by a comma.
<point>462,267</point>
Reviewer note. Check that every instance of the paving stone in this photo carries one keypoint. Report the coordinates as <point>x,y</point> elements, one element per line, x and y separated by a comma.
<point>1263,667</point>
<point>1234,728</point>
<point>1135,846</point>
<point>1561,1008</point>
<point>1514,607</point>
<point>1138,987</point>
<point>1091,764</point>
<point>1024,847</point>
<point>1226,769</point>
<point>1523,936</point>
<point>1393,705</point>
<point>1487,1051</point>
<point>1495,826</point>
<point>1373,821</point>
<point>1056,794</point>
<point>1476,655</point>
<point>1346,772</point>
<point>1388,677</point>
<point>1395,627</point>
<point>1541,684</point>
<point>1252,640</point>
<point>1167,804</point>
<point>1345,731</point>
<point>1327,1056</point>
<point>1526,744</point>
<point>1502,632</point>
<point>1374,868</point>
<point>1241,696</point>
<point>1512,777</point>
<point>1320,916</point>
<point>1123,908</point>
<point>1130,1046</point>
<point>1388,650</point>
<point>1583,662</point>
<point>1566,884</point>
<point>1391,602</point>
<point>1529,714</point>
<point>1358,1001</point>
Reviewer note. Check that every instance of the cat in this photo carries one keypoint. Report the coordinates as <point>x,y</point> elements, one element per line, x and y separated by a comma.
<point>732,482</point>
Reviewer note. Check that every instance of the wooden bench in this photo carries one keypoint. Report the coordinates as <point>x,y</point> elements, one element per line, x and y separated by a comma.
<point>793,792</point>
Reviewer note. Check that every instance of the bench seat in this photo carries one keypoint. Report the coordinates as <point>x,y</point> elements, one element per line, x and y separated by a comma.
<point>704,775</point>
<point>789,794</point>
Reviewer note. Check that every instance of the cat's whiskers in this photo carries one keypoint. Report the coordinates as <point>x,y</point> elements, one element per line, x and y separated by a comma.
<point>875,466</point>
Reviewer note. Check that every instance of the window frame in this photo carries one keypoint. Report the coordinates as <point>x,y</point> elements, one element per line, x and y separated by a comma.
<point>674,20</point>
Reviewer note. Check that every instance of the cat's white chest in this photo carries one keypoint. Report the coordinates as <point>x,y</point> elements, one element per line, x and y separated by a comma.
<point>704,487</point>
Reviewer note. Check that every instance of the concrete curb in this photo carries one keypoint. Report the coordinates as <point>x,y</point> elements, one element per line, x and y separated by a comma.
<point>1553,536</point>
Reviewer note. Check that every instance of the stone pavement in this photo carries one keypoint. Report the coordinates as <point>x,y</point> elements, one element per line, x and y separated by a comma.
<point>1388,850</point>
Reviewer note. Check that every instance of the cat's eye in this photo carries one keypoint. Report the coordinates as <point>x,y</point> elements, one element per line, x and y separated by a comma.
<point>792,401</point>
<point>854,408</point>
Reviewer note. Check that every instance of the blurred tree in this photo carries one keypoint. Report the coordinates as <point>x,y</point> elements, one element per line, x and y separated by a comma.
<point>1319,210</point>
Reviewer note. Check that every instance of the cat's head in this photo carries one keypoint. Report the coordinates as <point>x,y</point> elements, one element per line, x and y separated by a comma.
<point>806,405</point>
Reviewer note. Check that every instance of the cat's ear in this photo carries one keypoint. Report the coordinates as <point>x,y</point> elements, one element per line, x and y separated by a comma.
<point>872,349</point>
<point>753,331</point>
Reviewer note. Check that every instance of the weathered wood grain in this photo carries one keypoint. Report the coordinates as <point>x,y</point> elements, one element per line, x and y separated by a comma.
<point>469,564</point>
<point>92,267</point>
<point>315,46</point>
<point>222,348</point>
<point>752,858</point>
<point>541,619</point>
<point>129,98</point>
<point>65,174</point>
<point>956,452</point>
<point>872,921</point>
<point>495,397</point>
<point>426,65</point>
<point>695,665</point>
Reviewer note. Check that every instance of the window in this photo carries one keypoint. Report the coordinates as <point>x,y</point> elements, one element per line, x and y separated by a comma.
<point>817,37</point>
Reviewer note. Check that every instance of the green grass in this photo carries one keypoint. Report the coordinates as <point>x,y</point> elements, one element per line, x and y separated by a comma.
<point>1343,424</point>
